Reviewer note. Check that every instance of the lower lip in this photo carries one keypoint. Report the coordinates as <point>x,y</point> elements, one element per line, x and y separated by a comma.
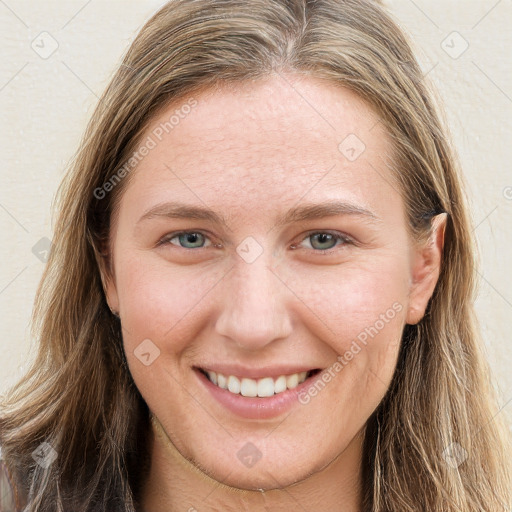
<point>256,408</point>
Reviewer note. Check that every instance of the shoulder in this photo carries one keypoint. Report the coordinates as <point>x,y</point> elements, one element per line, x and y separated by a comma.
<point>7,502</point>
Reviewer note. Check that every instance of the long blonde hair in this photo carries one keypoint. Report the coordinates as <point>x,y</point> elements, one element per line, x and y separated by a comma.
<point>79,396</point>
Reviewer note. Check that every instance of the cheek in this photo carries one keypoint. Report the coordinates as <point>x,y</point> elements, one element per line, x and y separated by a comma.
<point>163,302</point>
<point>363,308</point>
<point>162,313</point>
<point>351,297</point>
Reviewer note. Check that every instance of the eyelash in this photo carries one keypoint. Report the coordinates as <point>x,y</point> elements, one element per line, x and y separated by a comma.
<point>166,240</point>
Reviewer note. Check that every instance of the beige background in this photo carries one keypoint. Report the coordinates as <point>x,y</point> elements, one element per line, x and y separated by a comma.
<point>46,99</point>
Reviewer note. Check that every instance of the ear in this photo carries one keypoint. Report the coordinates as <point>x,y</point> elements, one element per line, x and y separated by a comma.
<point>426,267</point>
<point>107,275</point>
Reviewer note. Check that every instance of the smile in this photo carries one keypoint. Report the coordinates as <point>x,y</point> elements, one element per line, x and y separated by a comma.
<point>264,387</point>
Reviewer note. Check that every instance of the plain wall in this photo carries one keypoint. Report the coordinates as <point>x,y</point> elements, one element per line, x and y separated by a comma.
<point>47,93</point>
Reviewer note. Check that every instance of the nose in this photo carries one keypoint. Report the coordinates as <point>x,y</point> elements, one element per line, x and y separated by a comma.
<point>254,312</point>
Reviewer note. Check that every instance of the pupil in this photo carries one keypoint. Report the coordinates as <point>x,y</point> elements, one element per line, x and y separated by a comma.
<point>190,238</point>
<point>324,237</point>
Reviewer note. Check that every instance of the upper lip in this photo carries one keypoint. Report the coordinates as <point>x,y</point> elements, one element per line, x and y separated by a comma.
<point>255,373</point>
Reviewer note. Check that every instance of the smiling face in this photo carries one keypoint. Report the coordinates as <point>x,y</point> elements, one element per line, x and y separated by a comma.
<point>248,295</point>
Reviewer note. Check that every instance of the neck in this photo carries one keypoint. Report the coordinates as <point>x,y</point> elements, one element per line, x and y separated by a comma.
<point>176,484</point>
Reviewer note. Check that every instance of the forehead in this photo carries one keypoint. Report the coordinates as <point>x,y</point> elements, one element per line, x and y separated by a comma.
<point>276,138</point>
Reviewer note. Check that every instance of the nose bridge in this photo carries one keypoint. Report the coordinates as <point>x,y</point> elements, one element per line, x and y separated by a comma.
<point>254,311</point>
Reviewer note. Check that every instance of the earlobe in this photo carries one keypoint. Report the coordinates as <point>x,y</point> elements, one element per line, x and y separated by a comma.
<point>110,290</point>
<point>426,269</point>
<point>107,280</point>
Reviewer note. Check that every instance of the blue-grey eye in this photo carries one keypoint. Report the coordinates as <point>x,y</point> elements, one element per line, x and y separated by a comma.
<point>323,241</point>
<point>188,239</point>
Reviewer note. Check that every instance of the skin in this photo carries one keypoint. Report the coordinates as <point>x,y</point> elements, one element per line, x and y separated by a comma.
<point>251,152</point>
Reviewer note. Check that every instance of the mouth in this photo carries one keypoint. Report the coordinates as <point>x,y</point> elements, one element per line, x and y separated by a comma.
<point>257,388</point>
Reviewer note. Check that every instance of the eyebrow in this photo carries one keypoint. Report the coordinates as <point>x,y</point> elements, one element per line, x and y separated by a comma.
<point>325,209</point>
<point>177,210</point>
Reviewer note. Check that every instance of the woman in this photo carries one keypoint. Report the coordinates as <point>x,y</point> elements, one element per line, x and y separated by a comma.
<point>317,348</point>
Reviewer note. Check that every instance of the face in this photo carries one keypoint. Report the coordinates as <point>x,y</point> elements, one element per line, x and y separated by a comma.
<point>294,288</point>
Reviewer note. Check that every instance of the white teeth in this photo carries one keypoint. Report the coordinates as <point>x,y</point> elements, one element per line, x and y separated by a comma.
<point>264,387</point>
<point>233,384</point>
<point>249,387</point>
<point>292,381</point>
<point>222,382</point>
<point>280,384</point>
